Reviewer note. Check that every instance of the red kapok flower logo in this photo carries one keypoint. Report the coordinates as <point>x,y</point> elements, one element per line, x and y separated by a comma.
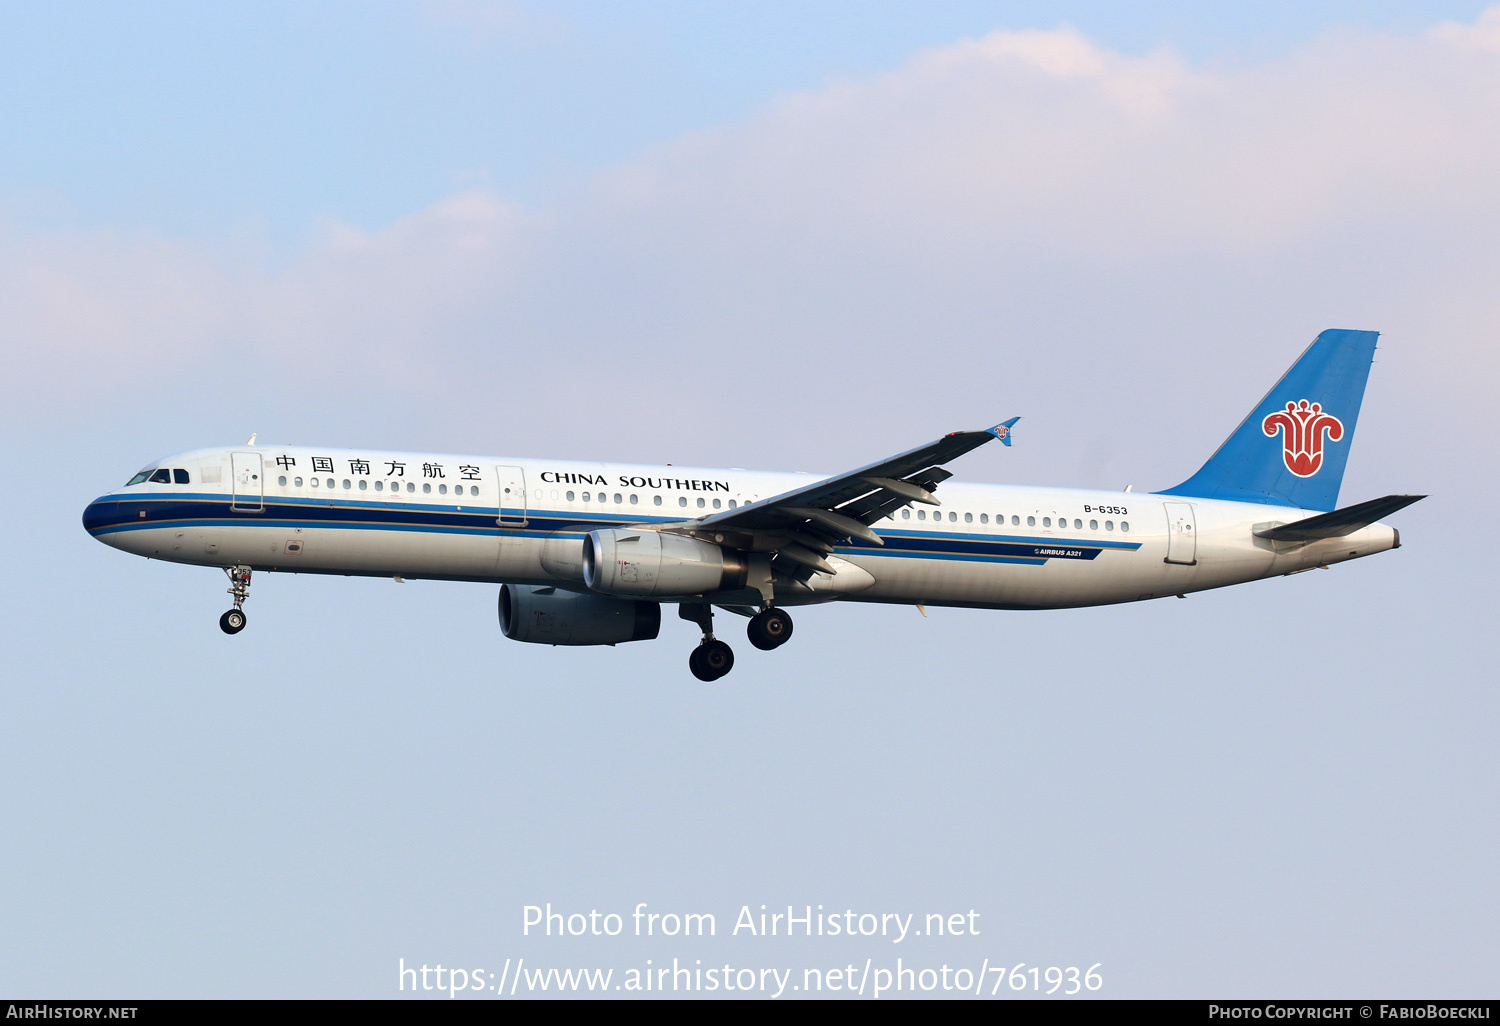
<point>1303,427</point>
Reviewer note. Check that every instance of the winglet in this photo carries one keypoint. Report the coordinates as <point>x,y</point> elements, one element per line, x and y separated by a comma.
<point>1002,430</point>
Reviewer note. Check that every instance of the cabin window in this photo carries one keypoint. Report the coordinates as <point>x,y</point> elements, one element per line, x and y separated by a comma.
<point>442,489</point>
<point>634,499</point>
<point>968,518</point>
<point>1109,525</point>
<point>984,518</point>
<point>297,481</point>
<point>347,484</point>
<point>618,498</point>
<point>473,489</point>
<point>162,476</point>
<point>732,504</point>
<point>1124,526</point>
<point>1046,521</point>
<point>682,500</point>
<point>921,514</point>
<point>1031,521</point>
<point>701,502</point>
<point>411,486</point>
<point>281,480</point>
<point>379,485</point>
<point>716,504</point>
<point>570,496</point>
<point>656,500</point>
<point>363,484</point>
<point>1078,525</point>
<point>905,514</point>
<point>1015,521</point>
<point>1093,525</point>
<point>953,517</point>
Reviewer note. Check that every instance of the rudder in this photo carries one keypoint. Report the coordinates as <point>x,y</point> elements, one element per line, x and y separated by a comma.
<point>1292,449</point>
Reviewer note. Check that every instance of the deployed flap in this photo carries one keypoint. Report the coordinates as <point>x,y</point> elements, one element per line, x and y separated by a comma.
<point>1340,522</point>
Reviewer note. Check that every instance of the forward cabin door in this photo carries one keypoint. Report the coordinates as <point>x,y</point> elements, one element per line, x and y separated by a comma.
<point>512,496</point>
<point>246,482</point>
<point>1182,541</point>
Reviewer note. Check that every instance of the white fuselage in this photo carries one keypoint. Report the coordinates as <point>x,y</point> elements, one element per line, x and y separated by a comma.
<point>470,518</point>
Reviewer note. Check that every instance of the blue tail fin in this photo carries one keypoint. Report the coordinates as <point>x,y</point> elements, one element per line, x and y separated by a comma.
<point>1292,448</point>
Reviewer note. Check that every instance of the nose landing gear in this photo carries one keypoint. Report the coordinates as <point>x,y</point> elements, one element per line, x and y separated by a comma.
<point>233,621</point>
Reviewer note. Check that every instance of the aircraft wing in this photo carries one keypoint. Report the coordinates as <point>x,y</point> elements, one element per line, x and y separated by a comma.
<point>803,525</point>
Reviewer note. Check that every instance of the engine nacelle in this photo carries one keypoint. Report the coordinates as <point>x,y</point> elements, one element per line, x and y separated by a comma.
<point>551,616</point>
<point>622,562</point>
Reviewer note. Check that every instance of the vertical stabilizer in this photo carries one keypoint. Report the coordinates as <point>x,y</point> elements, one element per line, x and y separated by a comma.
<point>1292,449</point>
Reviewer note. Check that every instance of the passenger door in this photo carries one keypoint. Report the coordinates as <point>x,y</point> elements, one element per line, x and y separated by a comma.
<point>1182,541</point>
<point>512,481</point>
<point>246,481</point>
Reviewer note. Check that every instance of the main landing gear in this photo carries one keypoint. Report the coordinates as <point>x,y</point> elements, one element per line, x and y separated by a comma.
<point>770,628</point>
<point>233,621</point>
<point>712,659</point>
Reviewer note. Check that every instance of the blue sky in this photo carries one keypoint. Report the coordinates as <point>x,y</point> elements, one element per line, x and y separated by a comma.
<point>784,236</point>
<point>191,118</point>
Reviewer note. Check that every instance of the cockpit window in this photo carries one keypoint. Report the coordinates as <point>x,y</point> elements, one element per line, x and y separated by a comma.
<point>139,477</point>
<point>162,476</point>
<point>180,476</point>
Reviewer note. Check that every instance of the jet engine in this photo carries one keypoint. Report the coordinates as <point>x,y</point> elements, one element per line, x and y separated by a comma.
<point>551,616</point>
<point>624,562</point>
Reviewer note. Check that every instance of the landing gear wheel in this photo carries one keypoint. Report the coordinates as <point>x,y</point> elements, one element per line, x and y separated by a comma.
<point>711,660</point>
<point>770,628</point>
<point>233,621</point>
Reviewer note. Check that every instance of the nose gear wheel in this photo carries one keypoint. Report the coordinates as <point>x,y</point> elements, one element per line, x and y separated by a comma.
<point>234,621</point>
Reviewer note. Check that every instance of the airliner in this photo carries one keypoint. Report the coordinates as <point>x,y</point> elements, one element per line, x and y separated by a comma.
<point>588,553</point>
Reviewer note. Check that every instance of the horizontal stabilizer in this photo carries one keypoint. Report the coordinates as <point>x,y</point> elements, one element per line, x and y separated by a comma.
<point>1341,521</point>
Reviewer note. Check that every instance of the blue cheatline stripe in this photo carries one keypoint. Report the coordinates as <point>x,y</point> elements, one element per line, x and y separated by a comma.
<point>1060,540</point>
<point>954,556</point>
<point>111,515</point>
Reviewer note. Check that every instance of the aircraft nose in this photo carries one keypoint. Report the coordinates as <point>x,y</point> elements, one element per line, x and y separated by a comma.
<point>99,513</point>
